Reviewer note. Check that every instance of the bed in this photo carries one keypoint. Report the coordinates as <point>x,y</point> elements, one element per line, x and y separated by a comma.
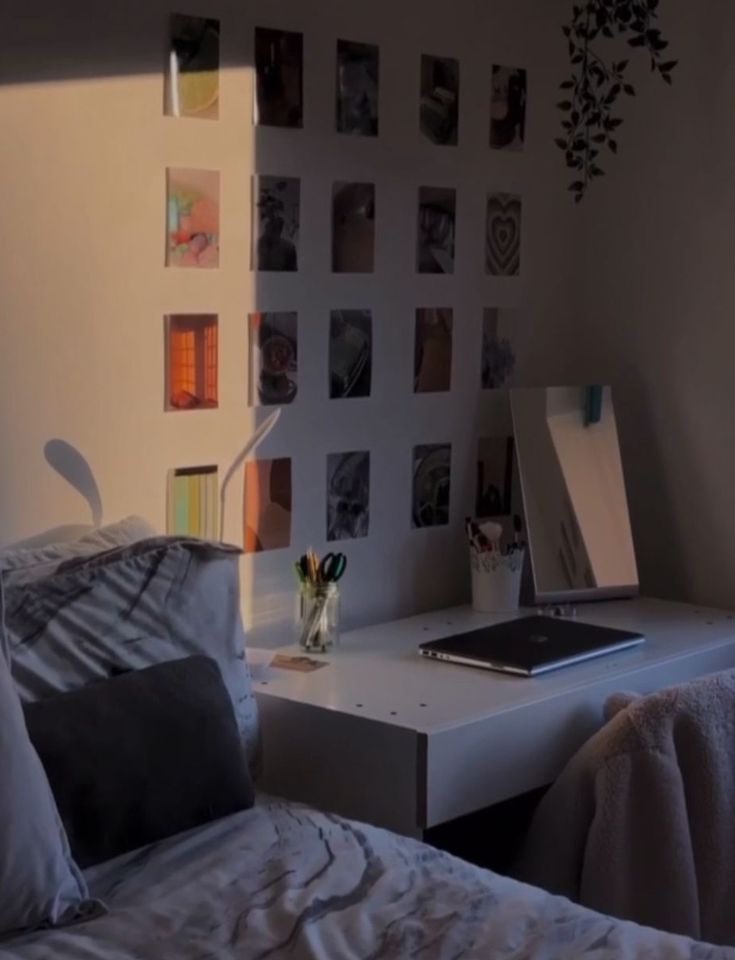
<point>276,880</point>
<point>281,880</point>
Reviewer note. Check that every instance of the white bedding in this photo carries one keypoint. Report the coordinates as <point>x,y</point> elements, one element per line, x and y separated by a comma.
<point>284,881</point>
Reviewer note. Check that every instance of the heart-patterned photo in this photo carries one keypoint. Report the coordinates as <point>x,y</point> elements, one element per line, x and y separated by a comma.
<point>503,235</point>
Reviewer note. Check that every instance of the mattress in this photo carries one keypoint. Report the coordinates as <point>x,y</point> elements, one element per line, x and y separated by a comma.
<point>281,880</point>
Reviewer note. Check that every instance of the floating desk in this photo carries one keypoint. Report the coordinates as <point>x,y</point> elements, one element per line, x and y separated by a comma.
<point>383,735</point>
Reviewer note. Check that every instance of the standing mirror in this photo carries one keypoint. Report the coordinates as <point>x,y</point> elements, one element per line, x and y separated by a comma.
<point>574,501</point>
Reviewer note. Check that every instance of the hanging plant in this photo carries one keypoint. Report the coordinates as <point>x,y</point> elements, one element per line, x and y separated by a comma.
<point>590,121</point>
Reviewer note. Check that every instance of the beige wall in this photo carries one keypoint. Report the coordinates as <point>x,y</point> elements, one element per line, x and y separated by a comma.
<point>659,306</point>
<point>83,289</point>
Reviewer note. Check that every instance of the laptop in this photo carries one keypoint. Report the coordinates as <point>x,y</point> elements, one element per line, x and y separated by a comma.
<point>530,646</point>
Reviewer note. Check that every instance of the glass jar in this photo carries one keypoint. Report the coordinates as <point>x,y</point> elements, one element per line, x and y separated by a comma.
<point>319,619</point>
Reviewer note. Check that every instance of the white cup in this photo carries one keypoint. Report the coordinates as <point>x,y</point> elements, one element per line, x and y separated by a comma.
<point>496,581</point>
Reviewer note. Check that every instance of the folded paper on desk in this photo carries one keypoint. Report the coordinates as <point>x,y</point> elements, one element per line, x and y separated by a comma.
<point>302,664</point>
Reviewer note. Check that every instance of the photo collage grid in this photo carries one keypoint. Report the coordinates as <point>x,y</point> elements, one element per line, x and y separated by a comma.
<point>191,90</point>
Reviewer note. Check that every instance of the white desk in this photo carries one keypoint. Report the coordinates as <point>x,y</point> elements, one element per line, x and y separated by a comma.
<point>386,736</point>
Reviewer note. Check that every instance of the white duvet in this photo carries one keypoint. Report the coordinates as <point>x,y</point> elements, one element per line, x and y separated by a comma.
<point>284,881</point>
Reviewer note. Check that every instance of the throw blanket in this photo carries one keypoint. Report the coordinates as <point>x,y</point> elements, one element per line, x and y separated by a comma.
<point>641,823</point>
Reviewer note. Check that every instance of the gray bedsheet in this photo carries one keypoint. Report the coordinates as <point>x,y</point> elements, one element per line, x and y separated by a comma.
<point>284,881</point>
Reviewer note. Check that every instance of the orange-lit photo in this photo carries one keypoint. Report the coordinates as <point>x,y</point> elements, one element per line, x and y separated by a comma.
<point>191,361</point>
<point>267,504</point>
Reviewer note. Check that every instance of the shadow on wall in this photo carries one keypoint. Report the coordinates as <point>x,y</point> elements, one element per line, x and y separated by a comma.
<point>71,466</point>
<point>46,40</point>
<point>68,462</point>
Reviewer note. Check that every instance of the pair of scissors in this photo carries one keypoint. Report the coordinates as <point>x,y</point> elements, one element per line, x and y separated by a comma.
<point>332,567</point>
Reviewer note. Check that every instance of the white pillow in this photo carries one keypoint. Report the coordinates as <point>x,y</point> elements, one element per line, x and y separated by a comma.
<point>24,564</point>
<point>149,602</point>
<point>40,885</point>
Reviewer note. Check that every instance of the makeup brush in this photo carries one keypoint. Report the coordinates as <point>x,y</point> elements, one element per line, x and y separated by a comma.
<point>493,532</point>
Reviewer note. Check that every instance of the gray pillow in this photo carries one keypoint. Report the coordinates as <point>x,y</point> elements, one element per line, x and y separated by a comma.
<point>155,600</point>
<point>141,757</point>
<point>40,884</point>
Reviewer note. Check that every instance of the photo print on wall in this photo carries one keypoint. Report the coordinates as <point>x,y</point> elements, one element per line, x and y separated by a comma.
<point>348,495</point>
<point>276,223</point>
<point>436,224</point>
<point>432,465</point>
<point>350,353</point>
<point>357,88</point>
<point>494,477</point>
<point>191,86</point>
<point>192,211</point>
<point>192,361</point>
<point>498,357</point>
<point>503,235</point>
<point>267,514</point>
<point>193,502</point>
<point>278,78</point>
<point>273,358</point>
<point>508,108</point>
<point>353,227</point>
<point>439,112</point>
<point>433,350</point>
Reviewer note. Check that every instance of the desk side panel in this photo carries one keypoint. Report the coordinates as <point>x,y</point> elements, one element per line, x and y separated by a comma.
<point>343,764</point>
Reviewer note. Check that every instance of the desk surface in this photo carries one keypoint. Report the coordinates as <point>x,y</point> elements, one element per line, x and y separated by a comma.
<point>377,673</point>
<point>451,739</point>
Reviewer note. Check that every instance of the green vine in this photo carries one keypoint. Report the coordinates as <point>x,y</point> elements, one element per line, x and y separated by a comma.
<point>589,122</point>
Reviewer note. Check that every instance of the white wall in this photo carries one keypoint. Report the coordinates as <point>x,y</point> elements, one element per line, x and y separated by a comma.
<point>83,289</point>
<point>656,267</point>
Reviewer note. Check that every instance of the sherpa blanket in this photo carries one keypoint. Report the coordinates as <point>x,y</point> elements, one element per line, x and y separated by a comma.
<point>641,823</point>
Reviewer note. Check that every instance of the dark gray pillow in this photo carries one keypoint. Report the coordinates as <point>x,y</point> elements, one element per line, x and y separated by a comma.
<point>142,756</point>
